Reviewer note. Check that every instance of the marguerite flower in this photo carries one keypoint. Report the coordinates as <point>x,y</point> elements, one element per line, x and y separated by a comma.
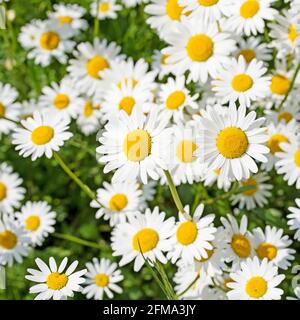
<point>54,281</point>
<point>41,135</point>
<point>212,176</point>
<point>105,9</point>
<point>101,279</point>
<point>144,236</point>
<point>294,219</point>
<point>160,64</point>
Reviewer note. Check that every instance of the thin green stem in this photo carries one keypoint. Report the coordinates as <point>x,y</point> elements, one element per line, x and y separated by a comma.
<point>77,240</point>
<point>97,21</point>
<point>15,122</point>
<point>190,286</point>
<point>290,88</point>
<point>169,288</point>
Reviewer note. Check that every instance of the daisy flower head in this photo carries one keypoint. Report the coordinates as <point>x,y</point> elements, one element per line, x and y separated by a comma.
<point>248,16</point>
<point>192,236</point>
<point>62,98</point>
<point>133,3</point>
<point>144,236</point>
<point>289,163</point>
<point>90,61</point>
<point>47,40</point>
<point>214,176</point>
<point>118,201</point>
<point>14,242</point>
<point>9,109</point>
<point>133,146</point>
<point>70,15</point>
<point>38,220</point>
<point>241,82</point>
<point>173,98</point>
<point>231,144</point>
<point>105,9</point>
<point>41,135</point>
<point>101,279</point>
<point>160,64</point>
<point>255,281</point>
<point>11,192</point>
<point>237,239</point>
<point>257,195</point>
<point>57,282</point>
<point>27,108</point>
<point>273,245</point>
<point>294,219</point>
<point>198,48</point>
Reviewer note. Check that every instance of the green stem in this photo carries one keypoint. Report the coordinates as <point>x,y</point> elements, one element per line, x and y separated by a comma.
<point>190,286</point>
<point>290,88</point>
<point>77,240</point>
<point>223,196</point>
<point>165,280</point>
<point>174,192</point>
<point>97,22</point>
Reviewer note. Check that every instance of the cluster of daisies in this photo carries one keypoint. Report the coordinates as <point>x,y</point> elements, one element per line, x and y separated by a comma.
<point>217,106</point>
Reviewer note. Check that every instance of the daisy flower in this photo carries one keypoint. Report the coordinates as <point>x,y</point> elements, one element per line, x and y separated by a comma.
<point>294,219</point>
<point>232,143</point>
<point>11,192</point>
<point>38,220</point>
<point>101,279</point>
<point>237,240</point>
<point>132,145</point>
<point>118,201</point>
<point>27,108</point>
<point>289,163</point>
<point>255,281</point>
<point>192,236</point>
<point>257,196</point>
<point>248,16</point>
<point>91,59</point>
<point>273,245</point>
<point>46,40</point>
<point>198,48</point>
<point>69,15</point>
<point>241,82</point>
<point>288,112</point>
<point>62,98</point>
<point>54,281</point>
<point>14,242</point>
<point>8,108</point>
<point>144,236</point>
<point>133,3</point>
<point>174,98</point>
<point>105,9</point>
<point>41,135</point>
<point>160,64</point>
<point>212,176</point>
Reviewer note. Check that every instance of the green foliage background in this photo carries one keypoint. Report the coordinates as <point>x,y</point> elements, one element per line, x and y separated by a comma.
<point>44,179</point>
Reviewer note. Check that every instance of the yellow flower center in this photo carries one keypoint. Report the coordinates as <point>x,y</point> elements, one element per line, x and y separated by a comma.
<point>32,223</point>
<point>249,9</point>
<point>88,109</point>
<point>104,7</point>
<point>57,281</point>
<point>280,84</point>
<point>247,183</point>
<point>137,145</point>
<point>209,255</point>
<point>256,287</point>
<point>2,110</point>
<point>242,82</point>
<point>65,20</point>
<point>266,250</point>
<point>61,101</point>
<point>8,240</point>
<point>175,100</point>
<point>95,65</point>
<point>200,47</point>
<point>207,3</point>
<point>286,116</point>
<point>248,54</point>
<point>274,142</point>
<point>118,202</point>
<point>127,104</point>
<point>217,172</point>
<point>293,34</point>
<point>163,59</point>
<point>187,233</point>
<point>241,245</point>
<point>232,142</point>
<point>49,40</point>
<point>145,240</point>
<point>297,158</point>
<point>185,151</point>
<point>3,191</point>
<point>42,135</point>
<point>102,280</point>
<point>173,9</point>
